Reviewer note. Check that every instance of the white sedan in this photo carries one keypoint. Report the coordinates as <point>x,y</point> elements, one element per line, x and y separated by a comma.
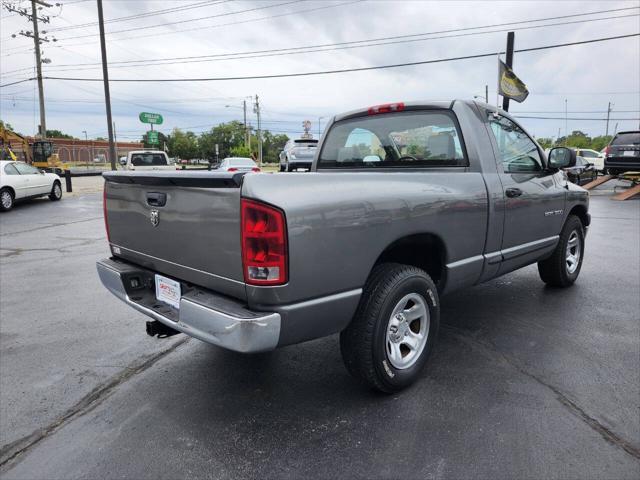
<point>19,181</point>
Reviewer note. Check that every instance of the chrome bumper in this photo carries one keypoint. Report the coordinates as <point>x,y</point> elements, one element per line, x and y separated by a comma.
<point>202,314</point>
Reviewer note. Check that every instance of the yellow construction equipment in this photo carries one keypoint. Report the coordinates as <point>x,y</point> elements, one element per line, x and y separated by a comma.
<point>40,154</point>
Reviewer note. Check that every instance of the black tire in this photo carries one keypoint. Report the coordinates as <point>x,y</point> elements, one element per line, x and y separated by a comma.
<point>56,192</point>
<point>365,345</point>
<point>7,199</point>
<point>556,271</point>
<point>289,168</point>
<point>282,168</point>
<point>613,171</point>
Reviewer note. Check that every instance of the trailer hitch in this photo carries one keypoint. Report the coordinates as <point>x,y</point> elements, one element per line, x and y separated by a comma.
<point>160,329</point>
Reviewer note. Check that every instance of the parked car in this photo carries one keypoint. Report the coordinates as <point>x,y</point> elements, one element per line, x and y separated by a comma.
<point>19,181</point>
<point>406,203</point>
<point>238,164</point>
<point>148,160</point>
<point>582,172</point>
<point>623,153</point>
<point>298,154</point>
<point>592,156</point>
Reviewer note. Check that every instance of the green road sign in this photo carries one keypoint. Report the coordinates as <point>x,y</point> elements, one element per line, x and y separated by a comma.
<point>152,137</point>
<point>153,118</point>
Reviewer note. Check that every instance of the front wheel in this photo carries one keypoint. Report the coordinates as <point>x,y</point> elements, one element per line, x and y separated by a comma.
<point>6,200</point>
<point>389,340</point>
<point>562,268</point>
<point>56,192</point>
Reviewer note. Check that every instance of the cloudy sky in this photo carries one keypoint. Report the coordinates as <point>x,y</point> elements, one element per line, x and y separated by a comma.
<point>222,33</point>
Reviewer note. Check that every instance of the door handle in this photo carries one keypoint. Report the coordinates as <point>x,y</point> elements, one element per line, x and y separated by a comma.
<point>513,192</point>
<point>156,199</point>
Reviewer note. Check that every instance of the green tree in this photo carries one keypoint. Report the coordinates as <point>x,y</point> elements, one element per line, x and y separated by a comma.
<point>183,145</point>
<point>545,142</point>
<point>225,135</point>
<point>58,134</point>
<point>598,143</point>
<point>272,145</point>
<point>241,151</point>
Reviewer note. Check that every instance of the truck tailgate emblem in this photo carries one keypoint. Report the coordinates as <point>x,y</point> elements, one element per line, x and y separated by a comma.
<point>154,216</point>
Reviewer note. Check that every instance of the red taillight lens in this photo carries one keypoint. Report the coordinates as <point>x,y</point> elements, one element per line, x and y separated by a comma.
<point>232,169</point>
<point>607,149</point>
<point>104,210</point>
<point>255,169</point>
<point>264,244</point>
<point>386,108</point>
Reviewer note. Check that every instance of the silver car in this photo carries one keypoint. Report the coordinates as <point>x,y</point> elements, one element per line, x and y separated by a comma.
<point>298,154</point>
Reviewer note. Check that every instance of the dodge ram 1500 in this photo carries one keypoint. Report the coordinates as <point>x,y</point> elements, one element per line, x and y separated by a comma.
<point>404,203</point>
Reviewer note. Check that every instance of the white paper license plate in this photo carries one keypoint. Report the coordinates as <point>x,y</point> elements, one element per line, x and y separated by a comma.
<point>628,153</point>
<point>168,291</point>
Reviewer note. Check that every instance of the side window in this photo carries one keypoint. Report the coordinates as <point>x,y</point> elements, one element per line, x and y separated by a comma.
<point>10,170</point>
<point>588,154</point>
<point>518,153</point>
<point>25,169</point>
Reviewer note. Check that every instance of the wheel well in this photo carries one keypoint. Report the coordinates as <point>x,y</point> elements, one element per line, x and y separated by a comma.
<point>581,212</point>
<point>425,251</point>
<point>13,192</point>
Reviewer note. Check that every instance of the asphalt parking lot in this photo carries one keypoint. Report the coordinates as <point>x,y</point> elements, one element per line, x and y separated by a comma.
<point>526,381</point>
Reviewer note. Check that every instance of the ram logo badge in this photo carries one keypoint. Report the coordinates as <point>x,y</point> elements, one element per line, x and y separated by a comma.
<point>154,216</point>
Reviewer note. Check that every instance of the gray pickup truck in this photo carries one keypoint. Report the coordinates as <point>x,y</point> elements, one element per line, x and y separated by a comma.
<point>404,203</point>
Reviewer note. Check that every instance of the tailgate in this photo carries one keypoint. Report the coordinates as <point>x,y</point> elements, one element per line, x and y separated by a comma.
<point>185,225</point>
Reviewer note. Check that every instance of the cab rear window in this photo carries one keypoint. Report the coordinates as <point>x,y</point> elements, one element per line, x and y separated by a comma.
<point>407,139</point>
<point>148,159</point>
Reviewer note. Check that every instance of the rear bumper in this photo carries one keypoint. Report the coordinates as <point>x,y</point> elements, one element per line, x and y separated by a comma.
<point>629,163</point>
<point>202,314</point>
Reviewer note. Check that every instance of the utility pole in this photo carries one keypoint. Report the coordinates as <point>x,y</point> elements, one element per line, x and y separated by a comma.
<point>246,132</point>
<point>107,95</point>
<point>486,94</point>
<point>608,112</point>
<point>256,109</point>
<point>37,41</point>
<point>509,62</point>
<point>566,122</point>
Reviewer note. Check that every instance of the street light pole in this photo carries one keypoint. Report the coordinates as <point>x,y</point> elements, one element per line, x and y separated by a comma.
<point>257,111</point>
<point>319,128</point>
<point>107,95</point>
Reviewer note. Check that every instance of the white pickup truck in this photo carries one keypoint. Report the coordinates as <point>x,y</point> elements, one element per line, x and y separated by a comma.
<point>148,160</point>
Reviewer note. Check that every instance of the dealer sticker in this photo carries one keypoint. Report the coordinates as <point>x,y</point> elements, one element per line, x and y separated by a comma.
<point>168,291</point>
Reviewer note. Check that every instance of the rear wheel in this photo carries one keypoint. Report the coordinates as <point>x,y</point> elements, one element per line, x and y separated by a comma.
<point>613,171</point>
<point>56,192</point>
<point>282,168</point>
<point>6,199</point>
<point>289,168</point>
<point>562,268</point>
<point>394,329</point>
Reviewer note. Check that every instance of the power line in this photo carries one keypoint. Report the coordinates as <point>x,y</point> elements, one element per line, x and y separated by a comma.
<point>297,50</point>
<point>181,8</point>
<point>328,72</point>
<point>226,14</point>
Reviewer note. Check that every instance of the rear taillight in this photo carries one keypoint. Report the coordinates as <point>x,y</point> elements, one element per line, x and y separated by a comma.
<point>255,169</point>
<point>386,108</point>
<point>104,211</point>
<point>607,149</point>
<point>264,244</point>
<point>232,169</point>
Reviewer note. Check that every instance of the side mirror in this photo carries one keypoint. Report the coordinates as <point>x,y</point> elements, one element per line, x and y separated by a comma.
<point>123,161</point>
<point>42,172</point>
<point>562,157</point>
